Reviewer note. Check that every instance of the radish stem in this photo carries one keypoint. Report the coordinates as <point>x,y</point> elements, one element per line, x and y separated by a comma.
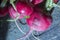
<point>26,35</point>
<point>19,28</point>
<point>3,3</point>
<point>14,20</point>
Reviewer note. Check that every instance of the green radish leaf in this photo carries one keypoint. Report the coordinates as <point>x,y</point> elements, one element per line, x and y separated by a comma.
<point>49,4</point>
<point>12,1</point>
<point>3,3</point>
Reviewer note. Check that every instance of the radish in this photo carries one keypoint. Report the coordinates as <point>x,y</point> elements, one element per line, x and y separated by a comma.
<point>55,1</point>
<point>24,9</point>
<point>14,15</point>
<point>36,1</point>
<point>12,12</point>
<point>3,11</point>
<point>37,22</point>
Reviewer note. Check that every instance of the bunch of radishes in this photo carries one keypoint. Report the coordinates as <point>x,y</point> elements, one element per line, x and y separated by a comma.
<point>4,8</point>
<point>32,10</point>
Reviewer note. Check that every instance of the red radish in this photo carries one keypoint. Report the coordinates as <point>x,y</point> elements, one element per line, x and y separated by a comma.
<point>38,9</point>
<point>3,11</point>
<point>38,22</point>
<point>12,12</point>
<point>14,15</point>
<point>55,1</point>
<point>23,9</point>
<point>32,1</point>
<point>36,1</point>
